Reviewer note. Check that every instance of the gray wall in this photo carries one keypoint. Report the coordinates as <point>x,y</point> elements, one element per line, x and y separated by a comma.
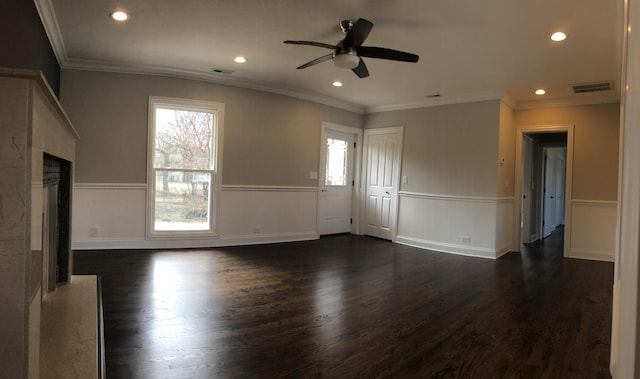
<point>457,186</point>
<point>269,139</point>
<point>454,149</point>
<point>596,139</point>
<point>449,149</point>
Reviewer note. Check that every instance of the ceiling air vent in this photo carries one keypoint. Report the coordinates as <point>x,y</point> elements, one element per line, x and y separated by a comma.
<point>592,87</point>
<point>221,71</point>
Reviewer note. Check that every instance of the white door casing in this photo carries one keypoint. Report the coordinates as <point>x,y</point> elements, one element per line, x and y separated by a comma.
<point>338,206</point>
<point>520,133</point>
<point>383,163</point>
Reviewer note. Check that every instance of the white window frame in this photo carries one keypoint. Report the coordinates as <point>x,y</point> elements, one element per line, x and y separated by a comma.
<point>216,169</point>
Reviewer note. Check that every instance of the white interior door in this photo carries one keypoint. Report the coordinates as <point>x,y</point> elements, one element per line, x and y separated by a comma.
<point>549,216</point>
<point>560,172</point>
<point>384,148</point>
<point>336,182</point>
<point>527,190</point>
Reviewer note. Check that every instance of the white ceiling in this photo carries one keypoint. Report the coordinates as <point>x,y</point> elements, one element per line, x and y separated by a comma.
<point>469,49</point>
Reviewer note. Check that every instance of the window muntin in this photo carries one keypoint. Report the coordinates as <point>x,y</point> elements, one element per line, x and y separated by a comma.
<point>183,161</point>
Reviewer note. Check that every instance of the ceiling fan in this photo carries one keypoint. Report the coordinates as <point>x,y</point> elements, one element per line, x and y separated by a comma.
<point>348,53</point>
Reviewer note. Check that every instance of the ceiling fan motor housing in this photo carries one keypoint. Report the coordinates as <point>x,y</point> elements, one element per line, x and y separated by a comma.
<point>346,25</point>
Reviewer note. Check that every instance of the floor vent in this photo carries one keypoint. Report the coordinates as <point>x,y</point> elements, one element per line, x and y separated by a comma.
<point>592,87</point>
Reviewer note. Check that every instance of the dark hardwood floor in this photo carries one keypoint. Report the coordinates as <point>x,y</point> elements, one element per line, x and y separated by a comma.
<point>352,307</point>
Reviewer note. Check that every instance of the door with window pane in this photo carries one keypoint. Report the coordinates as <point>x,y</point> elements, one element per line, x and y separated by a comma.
<point>183,168</point>
<point>336,182</point>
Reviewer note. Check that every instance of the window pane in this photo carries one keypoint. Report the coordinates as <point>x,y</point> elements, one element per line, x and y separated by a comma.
<point>183,139</point>
<point>336,170</point>
<point>182,200</point>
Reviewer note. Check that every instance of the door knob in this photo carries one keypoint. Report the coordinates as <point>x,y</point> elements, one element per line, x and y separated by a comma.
<point>323,190</point>
<point>387,192</point>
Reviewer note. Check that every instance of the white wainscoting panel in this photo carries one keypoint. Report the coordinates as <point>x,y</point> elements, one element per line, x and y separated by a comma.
<point>593,230</point>
<point>117,210</point>
<point>455,224</point>
<point>256,214</point>
<point>248,215</point>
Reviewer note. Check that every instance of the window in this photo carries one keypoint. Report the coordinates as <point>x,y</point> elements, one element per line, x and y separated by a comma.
<point>184,166</point>
<point>336,170</point>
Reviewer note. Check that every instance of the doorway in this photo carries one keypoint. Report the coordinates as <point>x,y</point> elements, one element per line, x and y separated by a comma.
<point>339,169</point>
<point>544,160</point>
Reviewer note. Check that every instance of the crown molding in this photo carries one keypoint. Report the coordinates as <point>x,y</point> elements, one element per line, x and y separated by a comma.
<point>51,27</point>
<point>50,23</point>
<point>610,97</point>
<point>86,65</point>
<point>444,100</point>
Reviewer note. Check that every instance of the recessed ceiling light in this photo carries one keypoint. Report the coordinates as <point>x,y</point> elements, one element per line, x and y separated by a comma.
<point>119,16</point>
<point>337,83</point>
<point>558,36</point>
<point>240,59</point>
<point>540,92</point>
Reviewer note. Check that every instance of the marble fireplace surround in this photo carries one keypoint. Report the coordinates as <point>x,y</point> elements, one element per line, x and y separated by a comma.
<point>32,123</point>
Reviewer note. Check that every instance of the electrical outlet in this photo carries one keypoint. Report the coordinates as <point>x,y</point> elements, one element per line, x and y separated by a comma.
<point>465,239</point>
<point>94,232</point>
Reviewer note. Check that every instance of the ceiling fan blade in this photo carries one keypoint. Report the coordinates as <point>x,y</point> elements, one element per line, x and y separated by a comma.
<point>358,33</point>
<point>311,43</point>
<point>316,61</point>
<point>361,70</point>
<point>384,53</point>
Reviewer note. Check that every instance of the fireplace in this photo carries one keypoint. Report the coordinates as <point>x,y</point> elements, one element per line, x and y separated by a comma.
<point>34,128</point>
<point>56,181</point>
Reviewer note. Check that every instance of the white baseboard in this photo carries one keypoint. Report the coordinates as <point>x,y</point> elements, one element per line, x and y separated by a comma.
<point>594,255</point>
<point>470,251</point>
<point>115,243</point>
<point>502,251</point>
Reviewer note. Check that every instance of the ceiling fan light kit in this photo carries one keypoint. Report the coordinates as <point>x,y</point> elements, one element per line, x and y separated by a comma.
<point>348,53</point>
<point>348,61</point>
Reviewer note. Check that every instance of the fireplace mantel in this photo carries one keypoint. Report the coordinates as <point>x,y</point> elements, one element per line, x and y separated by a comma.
<point>32,123</point>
